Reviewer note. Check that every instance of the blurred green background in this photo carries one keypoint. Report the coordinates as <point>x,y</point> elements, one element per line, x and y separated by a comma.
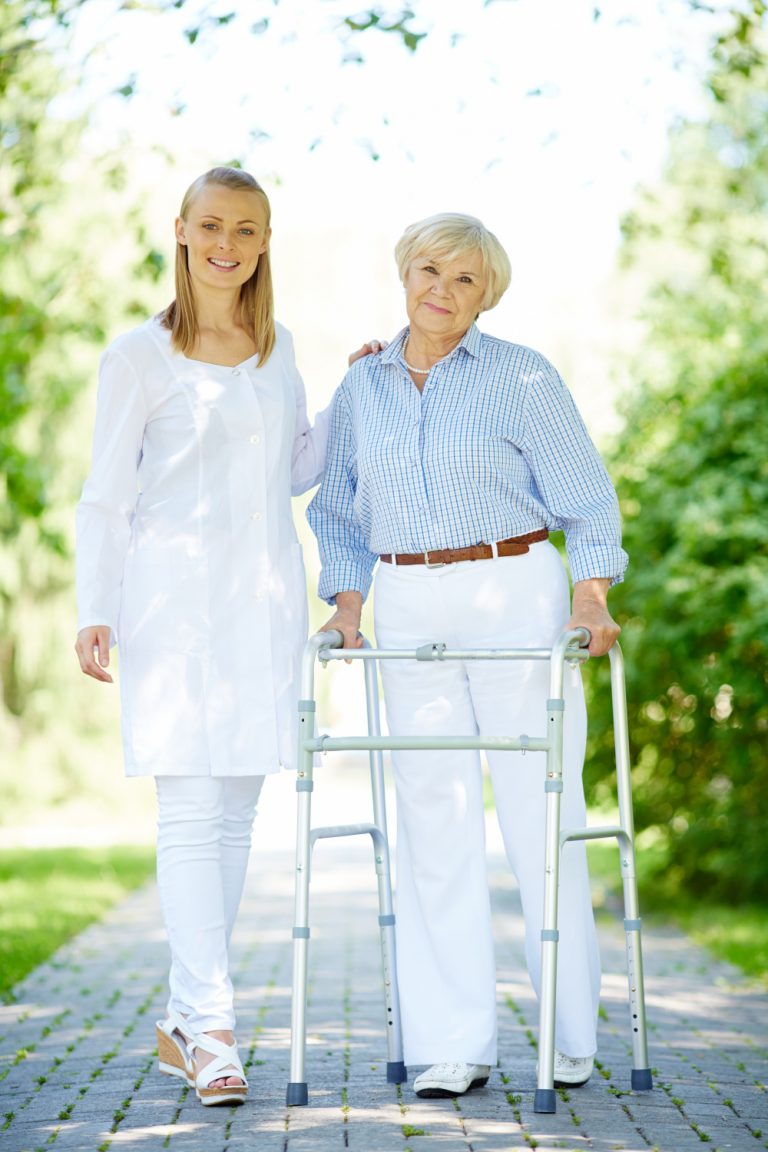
<point>82,259</point>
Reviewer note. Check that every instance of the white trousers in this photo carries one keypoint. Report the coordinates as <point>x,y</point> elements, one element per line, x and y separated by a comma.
<point>204,827</point>
<point>446,965</point>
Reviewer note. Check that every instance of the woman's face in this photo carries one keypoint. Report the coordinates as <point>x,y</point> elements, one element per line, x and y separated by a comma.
<point>224,233</point>
<point>443,298</point>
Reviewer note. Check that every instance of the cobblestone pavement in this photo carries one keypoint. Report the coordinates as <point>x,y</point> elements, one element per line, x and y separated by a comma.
<point>78,1068</point>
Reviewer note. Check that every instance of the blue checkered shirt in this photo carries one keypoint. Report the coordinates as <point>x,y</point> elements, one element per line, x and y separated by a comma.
<point>493,447</point>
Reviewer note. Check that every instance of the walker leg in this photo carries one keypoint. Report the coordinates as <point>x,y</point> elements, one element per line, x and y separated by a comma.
<point>545,1099</point>
<point>297,1093</point>
<point>396,1070</point>
<point>641,1080</point>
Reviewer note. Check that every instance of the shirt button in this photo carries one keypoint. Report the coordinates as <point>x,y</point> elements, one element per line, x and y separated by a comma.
<point>255,439</point>
<point>255,515</point>
<point>235,371</point>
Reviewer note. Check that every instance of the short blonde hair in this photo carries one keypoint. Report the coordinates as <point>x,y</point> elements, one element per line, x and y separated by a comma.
<point>256,296</point>
<point>448,236</point>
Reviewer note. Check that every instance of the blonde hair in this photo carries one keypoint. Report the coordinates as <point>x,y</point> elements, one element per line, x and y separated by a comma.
<point>256,297</point>
<point>448,236</point>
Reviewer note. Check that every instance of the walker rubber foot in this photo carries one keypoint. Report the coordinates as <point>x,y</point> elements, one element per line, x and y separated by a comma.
<point>297,1095</point>
<point>642,1080</point>
<point>397,1073</point>
<point>545,1100</point>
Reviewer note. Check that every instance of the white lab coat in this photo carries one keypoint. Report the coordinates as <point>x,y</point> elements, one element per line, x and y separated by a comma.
<point>187,550</point>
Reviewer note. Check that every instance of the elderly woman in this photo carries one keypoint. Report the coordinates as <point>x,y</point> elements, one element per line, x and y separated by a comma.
<point>451,457</point>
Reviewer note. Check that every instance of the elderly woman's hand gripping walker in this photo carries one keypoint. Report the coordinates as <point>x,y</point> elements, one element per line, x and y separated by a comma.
<point>451,457</point>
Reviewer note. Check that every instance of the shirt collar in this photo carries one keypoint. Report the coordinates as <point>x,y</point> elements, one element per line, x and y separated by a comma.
<point>471,342</point>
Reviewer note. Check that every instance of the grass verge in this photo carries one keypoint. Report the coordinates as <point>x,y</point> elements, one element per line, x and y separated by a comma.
<point>738,934</point>
<point>47,895</point>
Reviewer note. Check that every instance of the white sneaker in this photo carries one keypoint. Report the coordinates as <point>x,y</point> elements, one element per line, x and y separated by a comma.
<point>451,1079</point>
<point>572,1071</point>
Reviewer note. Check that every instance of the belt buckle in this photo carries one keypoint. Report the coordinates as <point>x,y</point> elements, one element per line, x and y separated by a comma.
<point>432,564</point>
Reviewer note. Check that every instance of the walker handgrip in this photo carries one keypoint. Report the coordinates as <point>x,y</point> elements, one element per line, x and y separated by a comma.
<point>584,637</point>
<point>331,639</point>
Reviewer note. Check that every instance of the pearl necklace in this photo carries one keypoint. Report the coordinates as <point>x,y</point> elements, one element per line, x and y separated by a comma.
<point>410,367</point>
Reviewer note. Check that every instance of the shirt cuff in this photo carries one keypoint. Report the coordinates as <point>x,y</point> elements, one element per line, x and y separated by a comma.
<point>346,576</point>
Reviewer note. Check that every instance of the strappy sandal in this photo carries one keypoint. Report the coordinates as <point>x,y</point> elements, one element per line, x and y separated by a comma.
<point>173,1038</point>
<point>226,1062</point>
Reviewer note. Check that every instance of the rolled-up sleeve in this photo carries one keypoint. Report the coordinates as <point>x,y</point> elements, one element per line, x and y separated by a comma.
<point>106,508</point>
<point>572,480</point>
<point>347,562</point>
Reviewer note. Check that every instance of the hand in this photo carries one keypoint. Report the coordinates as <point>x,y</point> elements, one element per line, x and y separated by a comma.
<point>371,348</point>
<point>590,610</point>
<point>92,647</point>
<point>346,619</point>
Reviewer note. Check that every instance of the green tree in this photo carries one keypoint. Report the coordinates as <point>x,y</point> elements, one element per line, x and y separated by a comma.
<point>692,474</point>
<point>57,301</point>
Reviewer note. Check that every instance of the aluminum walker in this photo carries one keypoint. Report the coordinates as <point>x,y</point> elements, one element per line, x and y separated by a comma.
<point>569,648</point>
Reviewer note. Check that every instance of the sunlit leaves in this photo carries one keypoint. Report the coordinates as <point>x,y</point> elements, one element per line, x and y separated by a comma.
<point>373,19</point>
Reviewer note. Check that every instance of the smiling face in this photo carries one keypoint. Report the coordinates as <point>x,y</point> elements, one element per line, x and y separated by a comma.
<point>443,297</point>
<point>225,232</point>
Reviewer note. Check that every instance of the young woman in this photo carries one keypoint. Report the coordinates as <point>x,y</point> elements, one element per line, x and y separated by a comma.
<point>187,557</point>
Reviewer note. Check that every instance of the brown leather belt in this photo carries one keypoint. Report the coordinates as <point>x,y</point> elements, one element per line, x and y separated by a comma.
<point>515,546</point>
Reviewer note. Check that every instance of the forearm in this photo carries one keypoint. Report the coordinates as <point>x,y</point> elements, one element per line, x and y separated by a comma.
<point>592,591</point>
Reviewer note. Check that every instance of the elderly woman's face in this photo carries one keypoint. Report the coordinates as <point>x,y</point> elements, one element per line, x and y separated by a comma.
<point>443,298</point>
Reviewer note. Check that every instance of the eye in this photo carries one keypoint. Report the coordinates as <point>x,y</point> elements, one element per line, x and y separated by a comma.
<point>247,231</point>
<point>209,225</point>
<point>430,268</point>
<point>466,280</point>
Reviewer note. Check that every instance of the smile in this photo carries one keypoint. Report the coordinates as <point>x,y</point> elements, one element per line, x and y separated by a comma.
<point>223,263</point>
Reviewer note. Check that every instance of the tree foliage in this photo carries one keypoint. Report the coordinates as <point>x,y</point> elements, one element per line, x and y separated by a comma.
<point>692,473</point>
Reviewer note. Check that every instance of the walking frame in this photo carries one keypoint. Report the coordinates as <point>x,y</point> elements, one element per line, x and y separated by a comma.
<point>569,648</point>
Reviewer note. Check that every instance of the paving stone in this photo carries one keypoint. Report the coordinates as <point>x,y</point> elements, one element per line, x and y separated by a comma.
<point>79,1040</point>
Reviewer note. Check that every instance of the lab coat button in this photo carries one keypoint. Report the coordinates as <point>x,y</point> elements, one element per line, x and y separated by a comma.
<point>255,515</point>
<point>235,371</point>
<point>255,439</point>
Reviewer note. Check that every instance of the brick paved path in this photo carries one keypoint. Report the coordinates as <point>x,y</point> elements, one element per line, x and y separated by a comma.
<point>77,1067</point>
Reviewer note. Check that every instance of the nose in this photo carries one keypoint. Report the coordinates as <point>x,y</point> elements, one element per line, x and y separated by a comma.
<point>225,239</point>
<point>440,286</point>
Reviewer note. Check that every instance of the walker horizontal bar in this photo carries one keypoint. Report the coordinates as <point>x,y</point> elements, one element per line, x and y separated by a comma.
<point>423,743</point>
<point>607,832</point>
<point>333,831</point>
<point>440,654</point>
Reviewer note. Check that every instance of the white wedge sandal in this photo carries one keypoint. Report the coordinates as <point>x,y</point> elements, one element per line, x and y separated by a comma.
<point>226,1062</point>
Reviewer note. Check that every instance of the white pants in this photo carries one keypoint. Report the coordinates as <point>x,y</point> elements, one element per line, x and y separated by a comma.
<point>204,829</point>
<point>446,964</point>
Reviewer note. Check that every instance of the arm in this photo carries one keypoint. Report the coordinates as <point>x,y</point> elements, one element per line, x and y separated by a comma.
<point>106,508</point>
<point>347,563</point>
<point>310,442</point>
<point>576,489</point>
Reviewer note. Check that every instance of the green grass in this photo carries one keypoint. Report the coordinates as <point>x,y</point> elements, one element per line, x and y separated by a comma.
<point>736,933</point>
<point>47,895</point>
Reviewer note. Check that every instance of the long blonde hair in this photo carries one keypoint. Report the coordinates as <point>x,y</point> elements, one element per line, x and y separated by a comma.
<point>256,297</point>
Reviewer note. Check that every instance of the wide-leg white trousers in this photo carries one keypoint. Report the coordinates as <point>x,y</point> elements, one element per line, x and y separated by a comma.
<point>446,965</point>
<point>204,827</point>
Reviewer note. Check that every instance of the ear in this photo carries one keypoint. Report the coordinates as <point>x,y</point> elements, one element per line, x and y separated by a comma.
<point>180,236</point>
<point>265,241</point>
